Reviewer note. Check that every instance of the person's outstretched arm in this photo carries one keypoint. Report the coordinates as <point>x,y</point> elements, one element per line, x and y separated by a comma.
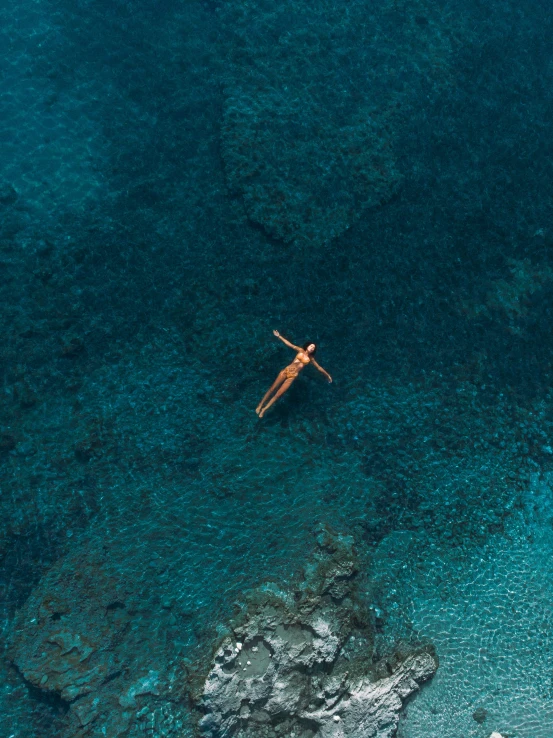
<point>290,345</point>
<point>323,371</point>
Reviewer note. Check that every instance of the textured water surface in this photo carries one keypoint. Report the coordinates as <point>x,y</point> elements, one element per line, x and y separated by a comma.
<point>178,180</point>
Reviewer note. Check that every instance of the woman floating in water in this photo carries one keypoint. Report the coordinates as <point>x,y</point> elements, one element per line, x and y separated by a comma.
<point>304,356</point>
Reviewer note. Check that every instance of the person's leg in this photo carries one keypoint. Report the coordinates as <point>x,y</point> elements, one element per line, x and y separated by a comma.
<point>278,381</point>
<point>281,391</point>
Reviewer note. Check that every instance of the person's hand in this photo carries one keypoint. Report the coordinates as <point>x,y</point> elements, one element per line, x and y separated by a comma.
<point>329,379</point>
<point>276,333</point>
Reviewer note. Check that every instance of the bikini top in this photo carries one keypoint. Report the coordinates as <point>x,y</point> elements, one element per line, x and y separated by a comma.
<point>305,360</point>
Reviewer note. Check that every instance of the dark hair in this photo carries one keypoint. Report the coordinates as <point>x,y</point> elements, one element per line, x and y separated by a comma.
<point>305,345</point>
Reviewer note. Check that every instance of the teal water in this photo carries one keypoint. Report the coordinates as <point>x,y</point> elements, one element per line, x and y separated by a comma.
<point>178,180</point>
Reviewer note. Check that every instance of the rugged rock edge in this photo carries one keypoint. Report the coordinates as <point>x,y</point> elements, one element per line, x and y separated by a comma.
<point>301,663</point>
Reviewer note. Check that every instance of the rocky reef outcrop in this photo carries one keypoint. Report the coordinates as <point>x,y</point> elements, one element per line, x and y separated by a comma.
<point>301,662</point>
<point>91,642</point>
<point>95,640</point>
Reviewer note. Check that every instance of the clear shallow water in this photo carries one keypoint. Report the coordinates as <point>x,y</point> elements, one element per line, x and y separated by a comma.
<point>142,279</point>
<point>489,615</point>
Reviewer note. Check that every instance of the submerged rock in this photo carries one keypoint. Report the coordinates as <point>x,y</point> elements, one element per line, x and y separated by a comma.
<point>8,194</point>
<point>479,715</point>
<point>314,96</point>
<point>301,663</point>
<point>89,639</point>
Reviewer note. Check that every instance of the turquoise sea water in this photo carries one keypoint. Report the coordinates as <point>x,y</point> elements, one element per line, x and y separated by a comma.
<point>178,180</point>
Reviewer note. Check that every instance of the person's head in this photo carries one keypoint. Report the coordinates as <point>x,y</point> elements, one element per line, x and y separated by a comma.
<point>310,347</point>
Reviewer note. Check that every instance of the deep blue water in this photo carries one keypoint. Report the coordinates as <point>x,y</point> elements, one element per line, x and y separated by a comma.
<point>177,180</point>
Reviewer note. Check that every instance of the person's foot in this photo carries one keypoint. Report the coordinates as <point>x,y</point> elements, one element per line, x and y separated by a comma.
<point>258,409</point>
<point>260,413</point>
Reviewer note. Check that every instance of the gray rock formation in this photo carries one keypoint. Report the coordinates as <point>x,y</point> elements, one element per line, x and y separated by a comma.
<point>301,663</point>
